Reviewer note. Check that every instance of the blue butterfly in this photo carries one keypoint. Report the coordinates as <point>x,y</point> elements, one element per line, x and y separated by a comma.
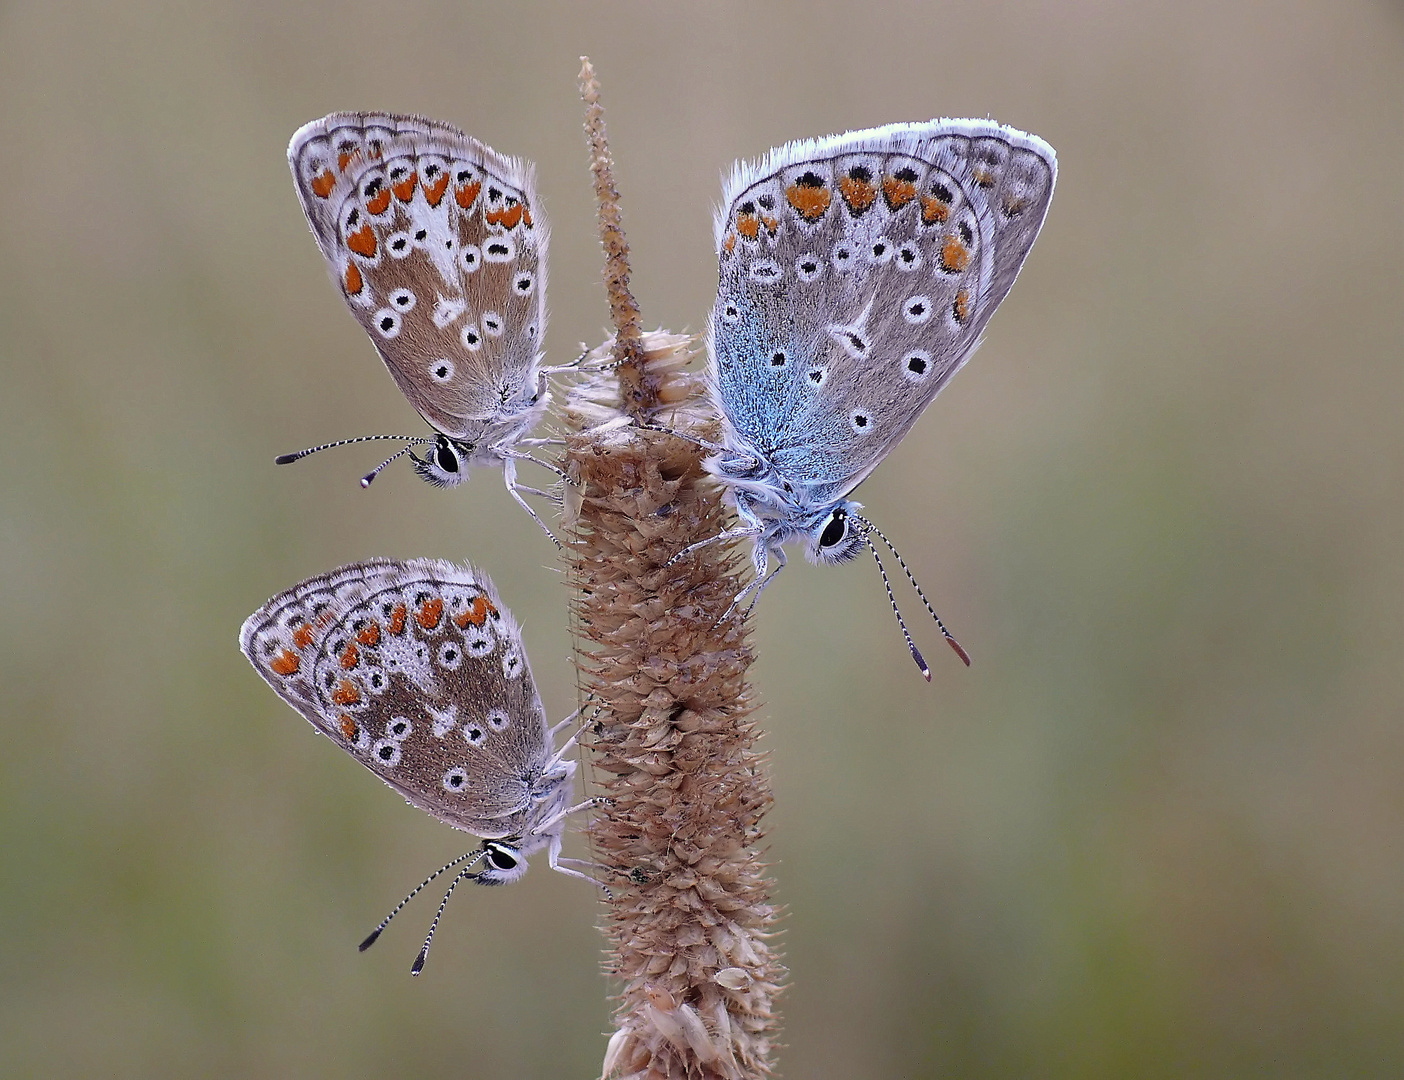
<point>857,273</point>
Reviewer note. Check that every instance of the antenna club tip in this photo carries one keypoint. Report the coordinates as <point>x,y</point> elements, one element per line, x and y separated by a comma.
<point>366,480</point>
<point>921,663</point>
<point>368,942</point>
<point>959,651</point>
<point>419,962</point>
<point>285,459</point>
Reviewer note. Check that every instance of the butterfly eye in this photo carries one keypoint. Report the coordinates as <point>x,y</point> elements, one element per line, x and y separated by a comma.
<point>446,457</point>
<point>835,530</point>
<point>500,859</point>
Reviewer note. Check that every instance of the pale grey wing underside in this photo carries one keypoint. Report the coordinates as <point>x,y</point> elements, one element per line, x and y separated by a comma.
<point>856,275</point>
<point>418,671</point>
<point>438,245</point>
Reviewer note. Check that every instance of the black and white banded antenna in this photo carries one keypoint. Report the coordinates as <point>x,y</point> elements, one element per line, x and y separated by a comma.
<point>410,441</point>
<point>869,527</point>
<point>475,856</point>
<point>462,875</point>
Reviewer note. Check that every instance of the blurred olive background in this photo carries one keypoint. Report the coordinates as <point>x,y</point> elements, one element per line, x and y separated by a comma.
<point>1156,830</point>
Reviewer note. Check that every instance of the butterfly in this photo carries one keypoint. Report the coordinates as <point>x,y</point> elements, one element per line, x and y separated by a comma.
<point>438,246</point>
<point>417,670</point>
<point>856,275</point>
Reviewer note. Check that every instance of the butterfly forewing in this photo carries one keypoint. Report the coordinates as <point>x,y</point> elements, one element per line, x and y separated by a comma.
<point>418,671</point>
<point>856,275</point>
<point>438,245</point>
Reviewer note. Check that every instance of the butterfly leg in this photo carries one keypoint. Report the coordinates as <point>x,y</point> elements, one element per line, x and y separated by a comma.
<point>558,864</point>
<point>509,475</point>
<point>711,447</point>
<point>758,585</point>
<point>574,738</point>
<point>574,365</point>
<point>588,804</point>
<point>540,494</point>
<point>721,537</point>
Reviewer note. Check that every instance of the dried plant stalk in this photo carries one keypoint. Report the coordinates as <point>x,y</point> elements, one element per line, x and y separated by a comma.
<point>636,389</point>
<point>690,917</point>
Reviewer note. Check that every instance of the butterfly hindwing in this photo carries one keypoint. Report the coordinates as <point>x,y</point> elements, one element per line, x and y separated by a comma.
<point>438,246</point>
<point>418,671</point>
<point>856,275</point>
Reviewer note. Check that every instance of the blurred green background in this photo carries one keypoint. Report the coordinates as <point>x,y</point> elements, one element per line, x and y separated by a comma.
<point>1156,830</point>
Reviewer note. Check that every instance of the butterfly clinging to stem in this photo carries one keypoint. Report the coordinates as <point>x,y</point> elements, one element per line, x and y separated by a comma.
<point>857,273</point>
<point>418,671</point>
<point>438,246</point>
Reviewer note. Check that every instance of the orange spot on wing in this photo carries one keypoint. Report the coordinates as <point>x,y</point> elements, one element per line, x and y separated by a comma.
<point>302,636</point>
<point>348,728</point>
<point>476,614</point>
<point>748,225</point>
<point>898,192</point>
<point>352,280</point>
<point>467,193</point>
<point>323,183</point>
<point>771,225</point>
<point>984,177</point>
<point>729,243</point>
<point>955,256</point>
<point>346,158</point>
<point>960,307</point>
<point>933,210</point>
<point>380,202</point>
<point>369,636</point>
<point>346,693</point>
<point>858,193</point>
<point>526,215</point>
<point>404,190</point>
<point>350,656</point>
<point>809,201</point>
<point>509,217</point>
<point>434,190</point>
<point>285,663</point>
<point>397,619</point>
<point>362,241</point>
<point>430,612</point>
